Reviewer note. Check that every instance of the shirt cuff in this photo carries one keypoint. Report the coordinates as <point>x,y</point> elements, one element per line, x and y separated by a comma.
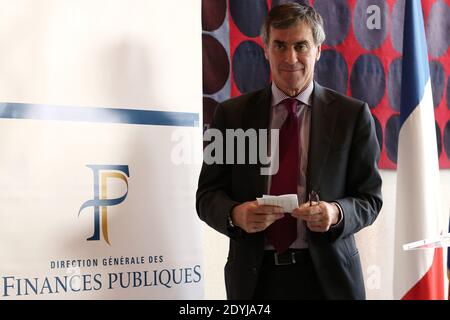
<point>341,215</point>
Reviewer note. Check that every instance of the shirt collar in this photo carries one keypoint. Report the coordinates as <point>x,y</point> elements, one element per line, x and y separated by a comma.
<point>304,96</point>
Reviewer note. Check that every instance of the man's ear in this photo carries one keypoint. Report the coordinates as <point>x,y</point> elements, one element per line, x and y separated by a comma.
<point>319,51</point>
<point>266,51</point>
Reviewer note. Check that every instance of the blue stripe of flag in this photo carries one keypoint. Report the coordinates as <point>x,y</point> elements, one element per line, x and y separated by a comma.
<point>103,115</point>
<point>415,69</point>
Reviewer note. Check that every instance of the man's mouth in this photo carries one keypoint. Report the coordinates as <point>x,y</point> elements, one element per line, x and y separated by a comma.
<point>292,69</point>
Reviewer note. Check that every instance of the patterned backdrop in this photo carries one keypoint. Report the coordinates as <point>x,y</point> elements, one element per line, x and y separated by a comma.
<point>360,61</point>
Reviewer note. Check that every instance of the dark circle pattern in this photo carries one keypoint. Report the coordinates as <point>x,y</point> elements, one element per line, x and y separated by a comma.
<point>391,137</point>
<point>438,140</point>
<point>437,74</point>
<point>395,83</point>
<point>367,80</point>
<point>250,68</point>
<point>336,17</point>
<point>331,71</point>
<point>369,35</point>
<point>213,14</point>
<point>249,15</point>
<point>278,2</point>
<point>447,139</point>
<point>438,26</point>
<point>379,132</point>
<point>398,21</point>
<point>216,67</point>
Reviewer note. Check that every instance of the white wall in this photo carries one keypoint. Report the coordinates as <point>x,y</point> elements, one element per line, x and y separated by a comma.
<point>375,245</point>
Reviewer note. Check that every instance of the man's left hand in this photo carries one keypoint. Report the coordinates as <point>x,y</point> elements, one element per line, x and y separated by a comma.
<point>319,217</point>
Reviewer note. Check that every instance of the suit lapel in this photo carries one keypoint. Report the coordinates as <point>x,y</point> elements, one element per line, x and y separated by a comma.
<point>257,116</point>
<point>323,121</point>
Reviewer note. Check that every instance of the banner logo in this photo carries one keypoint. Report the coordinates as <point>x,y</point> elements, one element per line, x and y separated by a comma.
<point>101,175</point>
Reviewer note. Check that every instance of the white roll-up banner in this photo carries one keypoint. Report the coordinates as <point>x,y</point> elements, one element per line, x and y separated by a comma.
<point>100,105</point>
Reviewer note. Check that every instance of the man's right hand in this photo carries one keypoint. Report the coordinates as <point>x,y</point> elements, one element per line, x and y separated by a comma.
<point>252,217</point>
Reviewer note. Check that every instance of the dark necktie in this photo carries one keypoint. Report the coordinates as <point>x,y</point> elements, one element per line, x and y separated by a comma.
<point>283,232</point>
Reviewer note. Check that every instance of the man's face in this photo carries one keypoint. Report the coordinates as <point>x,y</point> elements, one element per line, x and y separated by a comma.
<point>292,55</point>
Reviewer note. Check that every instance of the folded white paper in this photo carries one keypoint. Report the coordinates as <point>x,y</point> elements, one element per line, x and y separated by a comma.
<point>287,201</point>
<point>437,242</point>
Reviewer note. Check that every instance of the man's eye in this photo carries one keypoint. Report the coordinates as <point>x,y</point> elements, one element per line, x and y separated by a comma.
<point>301,47</point>
<point>279,46</point>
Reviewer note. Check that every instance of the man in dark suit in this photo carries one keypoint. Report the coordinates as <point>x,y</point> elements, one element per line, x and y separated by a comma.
<point>309,253</point>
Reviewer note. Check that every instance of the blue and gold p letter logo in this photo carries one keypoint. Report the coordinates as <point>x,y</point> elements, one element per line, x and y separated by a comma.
<point>101,175</point>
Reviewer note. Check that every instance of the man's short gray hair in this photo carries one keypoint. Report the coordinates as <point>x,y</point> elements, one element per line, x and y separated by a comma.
<point>289,14</point>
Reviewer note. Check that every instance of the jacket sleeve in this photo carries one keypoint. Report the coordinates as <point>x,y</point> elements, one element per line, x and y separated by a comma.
<point>213,202</point>
<point>363,180</point>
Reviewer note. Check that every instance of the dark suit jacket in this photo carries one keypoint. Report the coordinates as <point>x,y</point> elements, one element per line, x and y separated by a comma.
<point>342,166</point>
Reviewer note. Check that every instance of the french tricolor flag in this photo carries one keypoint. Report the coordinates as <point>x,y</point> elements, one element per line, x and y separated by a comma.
<point>418,274</point>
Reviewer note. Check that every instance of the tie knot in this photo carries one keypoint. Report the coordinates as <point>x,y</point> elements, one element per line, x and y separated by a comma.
<point>290,104</point>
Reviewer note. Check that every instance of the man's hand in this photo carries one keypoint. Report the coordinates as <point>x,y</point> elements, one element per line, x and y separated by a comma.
<point>319,217</point>
<point>252,217</point>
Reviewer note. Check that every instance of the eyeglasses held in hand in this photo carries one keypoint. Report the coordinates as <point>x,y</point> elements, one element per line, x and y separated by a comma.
<point>313,196</point>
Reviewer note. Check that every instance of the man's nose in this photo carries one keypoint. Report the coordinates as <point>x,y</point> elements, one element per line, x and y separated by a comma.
<point>291,56</point>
